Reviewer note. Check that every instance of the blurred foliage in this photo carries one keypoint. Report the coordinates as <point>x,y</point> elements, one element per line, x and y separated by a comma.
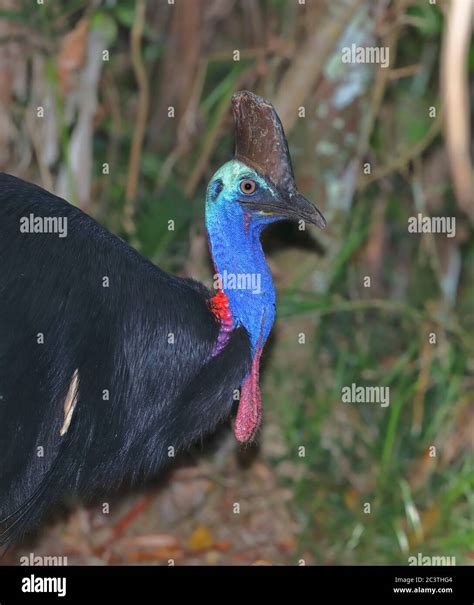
<point>354,454</point>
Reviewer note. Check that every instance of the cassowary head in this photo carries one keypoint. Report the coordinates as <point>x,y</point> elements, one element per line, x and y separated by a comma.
<point>258,186</point>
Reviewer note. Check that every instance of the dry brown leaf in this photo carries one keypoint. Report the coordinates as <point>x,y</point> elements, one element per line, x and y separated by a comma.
<point>148,541</point>
<point>72,53</point>
<point>288,542</point>
<point>201,538</point>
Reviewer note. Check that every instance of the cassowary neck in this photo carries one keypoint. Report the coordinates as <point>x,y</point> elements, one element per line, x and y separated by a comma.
<point>241,270</point>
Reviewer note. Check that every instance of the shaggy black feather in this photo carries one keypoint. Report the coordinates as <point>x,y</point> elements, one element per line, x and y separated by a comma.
<point>146,339</point>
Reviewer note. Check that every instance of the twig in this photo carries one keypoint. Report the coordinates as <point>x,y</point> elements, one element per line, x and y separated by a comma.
<point>401,160</point>
<point>404,72</point>
<point>142,114</point>
<point>45,173</point>
<point>209,145</point>
<point>422,382</point>
<point>183,141</point>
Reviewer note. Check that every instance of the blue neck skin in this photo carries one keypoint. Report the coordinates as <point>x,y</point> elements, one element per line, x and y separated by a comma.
<point>238,255</point>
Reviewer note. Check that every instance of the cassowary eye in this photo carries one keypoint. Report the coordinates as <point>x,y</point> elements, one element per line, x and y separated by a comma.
<point>248,186</point>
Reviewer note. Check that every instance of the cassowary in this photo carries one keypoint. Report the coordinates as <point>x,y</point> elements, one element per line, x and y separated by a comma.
<point>108,365</point>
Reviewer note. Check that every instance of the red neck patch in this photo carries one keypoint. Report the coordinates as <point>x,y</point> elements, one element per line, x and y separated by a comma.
<point>220,307</point>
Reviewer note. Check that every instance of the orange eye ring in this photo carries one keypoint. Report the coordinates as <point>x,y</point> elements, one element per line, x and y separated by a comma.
<point>248,186</point>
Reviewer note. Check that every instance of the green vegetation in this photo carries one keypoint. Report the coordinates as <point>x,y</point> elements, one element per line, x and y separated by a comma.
<point>412,330</point>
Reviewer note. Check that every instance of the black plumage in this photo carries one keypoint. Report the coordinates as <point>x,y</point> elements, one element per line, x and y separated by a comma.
<point>143,339</point>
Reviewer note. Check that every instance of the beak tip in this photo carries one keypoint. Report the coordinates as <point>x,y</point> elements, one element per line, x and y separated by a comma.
<point>306,210</point>
<point>320,221</point>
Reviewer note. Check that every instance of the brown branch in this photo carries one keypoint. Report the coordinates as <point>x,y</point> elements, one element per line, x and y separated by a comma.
<point>207,148</point>
<point>455,91</point>
<point>308,64</point>
<point>142,114</point>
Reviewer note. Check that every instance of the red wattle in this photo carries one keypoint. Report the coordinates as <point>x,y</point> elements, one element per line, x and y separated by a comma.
<point>249,413</point>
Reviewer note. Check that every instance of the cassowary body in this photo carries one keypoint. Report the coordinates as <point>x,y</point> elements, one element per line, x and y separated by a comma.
<point>110,366</point>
